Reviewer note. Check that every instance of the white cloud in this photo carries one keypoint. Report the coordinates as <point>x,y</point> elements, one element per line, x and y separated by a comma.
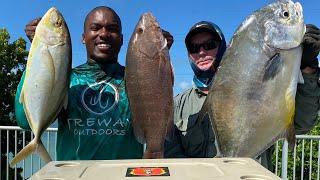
<point>184,85</point>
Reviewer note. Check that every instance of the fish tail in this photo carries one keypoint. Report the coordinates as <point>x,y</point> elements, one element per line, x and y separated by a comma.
<point>152,155</point>
<point>289,121</point>
<point>41,150</point>
<point>25,152</point>
<point>28,150</point>
<point>291,137</point>
<point>170,131</point>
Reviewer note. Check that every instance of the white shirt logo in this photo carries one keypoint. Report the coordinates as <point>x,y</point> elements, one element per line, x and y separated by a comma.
<point>100,98</point>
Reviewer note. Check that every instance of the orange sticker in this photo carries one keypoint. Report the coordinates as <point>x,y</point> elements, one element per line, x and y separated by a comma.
<point>147,171</point>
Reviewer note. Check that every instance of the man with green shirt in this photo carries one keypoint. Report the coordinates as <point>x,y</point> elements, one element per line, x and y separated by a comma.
<point>97,122</point>
<point>206,44</point>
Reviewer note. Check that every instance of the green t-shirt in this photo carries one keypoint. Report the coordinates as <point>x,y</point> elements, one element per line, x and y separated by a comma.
<point>97,123</point>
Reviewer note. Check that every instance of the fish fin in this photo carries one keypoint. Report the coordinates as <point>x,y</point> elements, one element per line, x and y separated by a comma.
<point>170,126</point>
<point>165,44</point>
<point>219,156</point>
<point>28,150</point>
<point>300,78</point>
<point>268,145</point>
<point>291,137</point>
<point>214,130</point>
<point>65,102</point>
<point>289,134</point>
<point>140,139</point>
<point>152,155</point>
<point>21,95</point>
<point>43,153</point>
<point>50,65</point>
<point>139,133</point>
<point>172,74</point>
<point>273,67</point>
<point>170,130</point>
<point>205,114</point>
<point>24,153</point>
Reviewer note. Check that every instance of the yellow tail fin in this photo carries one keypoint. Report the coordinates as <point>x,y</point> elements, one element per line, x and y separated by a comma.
<point>29,149</point>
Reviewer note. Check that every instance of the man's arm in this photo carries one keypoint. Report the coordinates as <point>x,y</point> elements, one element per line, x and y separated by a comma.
<point>19,111</point>
<point>173,148</point>
<point>307,103</point>
<point>168,37</point>
<point>30,28</point>
<point>307,97</point>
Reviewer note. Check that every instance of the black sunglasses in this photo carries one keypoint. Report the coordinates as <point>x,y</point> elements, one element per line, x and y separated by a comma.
<point>209,45</point>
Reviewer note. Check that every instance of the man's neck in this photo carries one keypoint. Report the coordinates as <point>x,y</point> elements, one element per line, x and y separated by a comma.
<point>104,63</point>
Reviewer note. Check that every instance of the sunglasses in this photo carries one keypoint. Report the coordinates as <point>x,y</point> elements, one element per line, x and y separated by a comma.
<point>209,45</point>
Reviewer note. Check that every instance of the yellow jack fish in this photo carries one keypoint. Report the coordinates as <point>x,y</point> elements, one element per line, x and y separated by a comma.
<point>46,83</point>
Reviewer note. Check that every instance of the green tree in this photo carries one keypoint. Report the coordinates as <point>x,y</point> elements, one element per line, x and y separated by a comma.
<point>12,63</point>
<point>301,164</point>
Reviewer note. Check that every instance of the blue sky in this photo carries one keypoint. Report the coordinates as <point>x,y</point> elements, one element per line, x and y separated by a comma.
<point>175,16</point>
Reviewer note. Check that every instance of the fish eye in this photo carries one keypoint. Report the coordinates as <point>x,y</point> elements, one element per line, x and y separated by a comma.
<point>58,23</point>
<point>139,30</point>
<point>285,14</point>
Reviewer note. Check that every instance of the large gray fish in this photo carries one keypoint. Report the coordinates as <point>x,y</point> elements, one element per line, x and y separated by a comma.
<point>46,82</point>
<point>251,102</point>
<point>149,81</point>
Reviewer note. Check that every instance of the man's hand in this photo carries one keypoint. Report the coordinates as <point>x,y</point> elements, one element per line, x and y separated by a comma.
<point>311,47</point>
<point>168,37</point>
<point>31,28</point>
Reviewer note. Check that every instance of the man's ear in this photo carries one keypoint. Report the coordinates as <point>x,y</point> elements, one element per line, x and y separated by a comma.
<point>83,39</point>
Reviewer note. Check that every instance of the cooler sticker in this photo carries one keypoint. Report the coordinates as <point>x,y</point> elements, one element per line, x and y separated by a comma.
<point>147,171</point>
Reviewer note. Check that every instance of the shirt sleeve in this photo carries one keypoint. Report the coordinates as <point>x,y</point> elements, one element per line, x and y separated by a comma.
<point>307,103</point>
<point>174,148</point>
<point>19,111</point>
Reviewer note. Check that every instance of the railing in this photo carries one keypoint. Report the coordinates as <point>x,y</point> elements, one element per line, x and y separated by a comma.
<point>303,163</point>
<point>30,165</point>
<point>297,168</point>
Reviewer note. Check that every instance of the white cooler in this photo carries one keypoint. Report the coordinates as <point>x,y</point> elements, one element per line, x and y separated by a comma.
<point>155,169</point>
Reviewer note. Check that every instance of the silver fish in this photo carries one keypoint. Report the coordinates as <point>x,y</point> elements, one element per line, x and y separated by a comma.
<point>251,102</point>
<point>46,82</point>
